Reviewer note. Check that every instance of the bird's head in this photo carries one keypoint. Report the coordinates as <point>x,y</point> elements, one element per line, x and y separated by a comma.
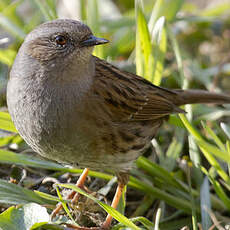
<point>61,42</point>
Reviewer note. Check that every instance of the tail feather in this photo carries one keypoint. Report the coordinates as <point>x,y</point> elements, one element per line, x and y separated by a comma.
<point>183,97</point>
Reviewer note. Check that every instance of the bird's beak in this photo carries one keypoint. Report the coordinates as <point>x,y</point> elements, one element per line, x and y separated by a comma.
<point>93,41</point>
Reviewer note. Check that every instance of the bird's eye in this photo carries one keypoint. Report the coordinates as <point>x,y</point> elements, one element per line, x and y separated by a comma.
<point>60,40</point>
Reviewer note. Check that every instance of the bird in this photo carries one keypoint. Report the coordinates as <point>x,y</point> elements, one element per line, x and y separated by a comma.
<point>75,108</point>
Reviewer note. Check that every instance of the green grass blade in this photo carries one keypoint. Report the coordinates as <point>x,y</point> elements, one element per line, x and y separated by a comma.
<point>6,122</point>
<point>143,41</point>
<point>14,194</point>
<point>156,13</point>
<point>48,196</point>
<point>93,21</point>
<point>171,8</point>
<point>216,165</point>
<point>220,192</point>
<point>177,52</point>
<point>46,9</point>
<point>189,127</point>
<point>52,5</point>
<point>113,212</point>
<point>10,12</point>
<point>172,200</point>
<point>64,205</point>
<point>192,200</point>
<point>226,129</point>
<point>4,4</point>
<point>159,48</point>
<point>144,221</point>
<point>24,217</point>
<point>12,28</point>
<point>207,148</point>
<point>166,8</point>
<point>157,220</point>
<point>144,206</point>
<point>223,155</point>
<point>217,10</point>
<point>8,157</point>
<point>205,203</point>
<point>194,154</point>
<point>83,10</point>
<point>139,56</point>
<point>214,136</point>
<point>7,56</point>
<point>228,149</point>
<point>154,169</point>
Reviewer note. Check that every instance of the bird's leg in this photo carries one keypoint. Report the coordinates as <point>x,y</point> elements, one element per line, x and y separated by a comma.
<point>122,181</point>
<point>80,184</point>
<point>73,195</point>
<point>114,204</point>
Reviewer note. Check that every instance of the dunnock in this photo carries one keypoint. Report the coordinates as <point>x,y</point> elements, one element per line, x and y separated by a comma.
<point>75,108</point>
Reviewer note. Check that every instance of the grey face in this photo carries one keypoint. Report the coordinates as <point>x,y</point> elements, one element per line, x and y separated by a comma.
<point>61,41</point>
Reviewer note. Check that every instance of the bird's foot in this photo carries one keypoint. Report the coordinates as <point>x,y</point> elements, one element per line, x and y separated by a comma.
<point>73,195</point>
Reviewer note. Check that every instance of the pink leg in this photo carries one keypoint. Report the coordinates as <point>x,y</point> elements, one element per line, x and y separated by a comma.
<point>116,199</point>
<point>73,195</point>
<point>107,223</point>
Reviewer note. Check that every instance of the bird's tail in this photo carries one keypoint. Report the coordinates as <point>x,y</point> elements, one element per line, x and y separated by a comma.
<point>183,97</point>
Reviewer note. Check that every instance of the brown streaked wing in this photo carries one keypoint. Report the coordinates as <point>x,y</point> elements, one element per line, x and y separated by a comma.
<point>130,97</point>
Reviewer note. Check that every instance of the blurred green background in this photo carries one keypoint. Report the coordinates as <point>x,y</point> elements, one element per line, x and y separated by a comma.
<point>172,43</point>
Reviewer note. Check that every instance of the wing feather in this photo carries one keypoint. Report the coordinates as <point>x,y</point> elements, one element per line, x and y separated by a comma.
<point>130,97</point>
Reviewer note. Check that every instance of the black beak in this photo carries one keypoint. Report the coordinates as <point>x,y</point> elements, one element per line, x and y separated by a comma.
<point>93,41</point>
